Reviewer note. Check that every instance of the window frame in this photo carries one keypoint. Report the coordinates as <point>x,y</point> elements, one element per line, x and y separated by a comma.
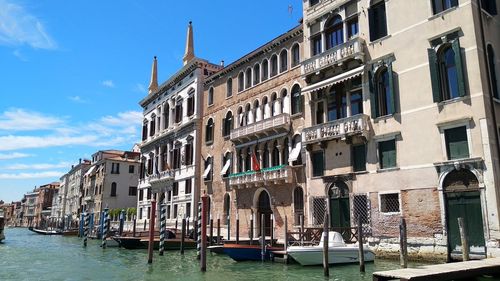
<point>385,193</point>
<point>379,153</point>
<point>209,131</point>
<point>374,24</point>
<point>313,168</point>
<point>451,125</point>
<point>210,97</point>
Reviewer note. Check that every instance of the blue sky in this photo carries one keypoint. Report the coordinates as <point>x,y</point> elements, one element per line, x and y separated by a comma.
<point>72,72</point>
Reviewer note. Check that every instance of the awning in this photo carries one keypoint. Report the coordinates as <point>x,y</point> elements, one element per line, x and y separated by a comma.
<point>207,171</point>
<point>294,154</point>
<point>90,171</point>
<point>334,80</point>
<point>226,167</point>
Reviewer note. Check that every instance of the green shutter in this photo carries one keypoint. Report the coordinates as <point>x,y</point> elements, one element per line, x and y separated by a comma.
<point>457,145</point>
<point>392,104</point>
<point>433,66</point>
<point>387,154</point>
<point>458,63</point>
<point>359,158</point>
<point>373,95</point>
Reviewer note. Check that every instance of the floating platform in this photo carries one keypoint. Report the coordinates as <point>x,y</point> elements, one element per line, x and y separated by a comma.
<point>448,271</point>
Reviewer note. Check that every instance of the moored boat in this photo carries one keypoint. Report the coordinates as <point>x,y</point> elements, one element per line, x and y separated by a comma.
<point>46,232</point>
<point>239,252</point>
<point>338,252</point>
<point>70,232</point>
<point>2,226</point>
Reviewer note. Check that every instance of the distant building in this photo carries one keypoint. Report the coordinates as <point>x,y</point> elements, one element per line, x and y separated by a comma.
<point>43,205</point>
<point>29,208</point>
<point>73,193</point>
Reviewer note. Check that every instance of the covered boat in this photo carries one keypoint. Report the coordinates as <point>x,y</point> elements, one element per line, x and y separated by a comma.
<point>338,252</point>
<point>46,232</point>
<point>239,252</point>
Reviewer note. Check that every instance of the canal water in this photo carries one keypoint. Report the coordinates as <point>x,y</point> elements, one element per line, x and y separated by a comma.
<point>29,256</point>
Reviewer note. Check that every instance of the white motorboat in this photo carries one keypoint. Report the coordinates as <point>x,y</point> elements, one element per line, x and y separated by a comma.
<point>2,225</point>
<point>338,252</point>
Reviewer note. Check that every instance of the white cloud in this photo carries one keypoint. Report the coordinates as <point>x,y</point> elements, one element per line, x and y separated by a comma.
<point>140,88</point>
<point>19,27</point>
<point>21,120</point>
<point>14,155</point>
<point>38,175</point>
<point>108,83</point>
<point>77,99</point>
<point>41,166</point>
<point>19,55</point>
<point>123,119</point>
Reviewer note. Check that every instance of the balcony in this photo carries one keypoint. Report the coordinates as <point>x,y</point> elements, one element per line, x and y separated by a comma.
<point>270,126</point>
<point>337,129</point>
<point>352,49</point>
<point>160,181</point>
<point>88,198</point>
<point>276,175</point>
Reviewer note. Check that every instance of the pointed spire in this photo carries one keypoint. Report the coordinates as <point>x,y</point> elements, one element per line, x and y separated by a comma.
<point>153,85</point>
<point>189,53</point>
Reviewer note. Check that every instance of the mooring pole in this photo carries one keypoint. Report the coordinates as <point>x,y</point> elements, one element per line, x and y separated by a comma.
<point>183,234</point>
<point>151,230</point>
<point>218,229</point>
<point>285,245</point>
<point>122,222</point>
<point>360,244</point>
<point>403,253</point>
<point>134,226</point>
<point>211,229</point>
<point>229,226</point>
<point>326,269</point>
<point>197,228</point>
<point>262,238</point>
<point>301,218</point>
<point>251,229</point>
<point>463,238</point>
<point>85,228</point>
<point>145,223</point>
<point>163,228</point>
<point>272,230</point>
<point>187,225</point>
<point>105,229</point>
<point>237,228</point>
<point>204,214</point>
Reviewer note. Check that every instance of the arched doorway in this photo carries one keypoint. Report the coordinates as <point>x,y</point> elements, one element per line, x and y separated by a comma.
<point>338,195</point>
<point>462,199</point>
<point>264,208</point>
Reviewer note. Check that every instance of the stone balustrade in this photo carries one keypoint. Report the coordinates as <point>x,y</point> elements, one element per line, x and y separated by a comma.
<point>341,128</point>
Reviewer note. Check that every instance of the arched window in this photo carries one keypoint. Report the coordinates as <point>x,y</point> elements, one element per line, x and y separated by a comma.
<point>227,164</point>
<point>265,107</point>
<point>152,125</point>
<point>274,65</point>
<point>448,73</point>
<point>209,133</point>
<point>113,190</point>
<point>248,75</point>
<point>191,103</point>
<point>241,82</point>
<point>285,153</point>
<point>256,74</point>
<point>207,174</point>
<point>296,99</point>
<point>273,101</point>
<point>166,116</point>
<point>178,110</point>
<point>298,203</point>
<point>241,160</point>
<point>265,158</point>
<point>229,87</point>
<point>492,70</point>
<point>211,96</point>
<point>284,100</point>
<point>276,155</point>
<point>228,124</point>
<point>334,31</point>
<point>384,93</point>
<point>283,61</point>
<point>296,141</point>
<point>248,159</point>
<point>265,70</point>
<point>247,114</point>
<point>295,55</point>
<point>227,206</point>
<point>377,20</point>
<point>145,129</point>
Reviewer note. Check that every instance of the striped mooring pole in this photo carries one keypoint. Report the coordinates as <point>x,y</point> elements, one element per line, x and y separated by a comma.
<point>105,228</point>
<point>198,234</point>
<point>122,222</point>
<point>85,228</point>
<point>163,228</point>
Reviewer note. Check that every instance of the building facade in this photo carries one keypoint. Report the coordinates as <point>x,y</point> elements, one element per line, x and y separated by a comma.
<point>401,106</point>
<point>43,205</point>
<point>251,139</point>
<point>29,206</point>
<point>170,139</point>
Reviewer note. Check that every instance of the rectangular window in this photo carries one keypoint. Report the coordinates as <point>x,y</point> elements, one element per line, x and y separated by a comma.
<point>387,154</point>
<point>313,2</point>
<point>318,161</point>
<point>148,194</point>
<point>187,189</point>
<point>141,195</point>
<point>439,6</point>
<point>175,211</point>
<point>168,211</point>
<point>389,203</point>
<point>352,27</point>
<point>377,21</point>
<point>140,213</point>
<point>457,146</point>
<point>115,168</point>
<point>131,169</point>
<point>190,104</point>
<point>175,188</point>
<point>188,210</point>
<point>356,102</point>
<point>359,158</point>
<point>132,191</point>
<point>490,6</point>
<point>320,113</point>
<point>316,45</point>
<point>149,213</point>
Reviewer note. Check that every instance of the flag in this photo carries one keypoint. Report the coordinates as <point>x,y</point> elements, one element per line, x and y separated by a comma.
<point>255,162</point>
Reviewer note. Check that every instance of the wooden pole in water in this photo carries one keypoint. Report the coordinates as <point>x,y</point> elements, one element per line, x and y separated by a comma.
<point>229,226</point>
<point>285,245</point>
<point>326,269</point>
<point>360,244</point>
<point>403,253</point>
<point>151,230</point>
<point>272,230</point>
<point>251,229</point>
<point>187,225</point>
<point>262,238</point>
<point>218,229</point>
<point>211,230</point>
<point>134,226</point>
<point>237,228</point>
<point>301,218</point>
<point>183,234</point>
<point>463,238</point>
<point>163,228</point>
<point>204,213</point>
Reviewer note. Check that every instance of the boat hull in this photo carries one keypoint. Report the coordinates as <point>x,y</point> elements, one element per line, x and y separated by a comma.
<point>142,243</point>
<point>239,252</point>
<point>45,232</point>
<point>336,255</point>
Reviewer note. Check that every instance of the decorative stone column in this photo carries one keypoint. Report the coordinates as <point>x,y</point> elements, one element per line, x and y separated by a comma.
<point>277,107</point>
<point>286,103</point>
<point>258,114</point>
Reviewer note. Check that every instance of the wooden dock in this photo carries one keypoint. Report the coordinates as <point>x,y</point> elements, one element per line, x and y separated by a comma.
<point>448,271</point>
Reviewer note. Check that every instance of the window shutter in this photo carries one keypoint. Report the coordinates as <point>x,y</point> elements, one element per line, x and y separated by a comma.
<point>460,72</point>
<point>392,104</point>
<point>371,22</point>
<point>224,128</point>
<point>373,95</point>
<point>433,66</point>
